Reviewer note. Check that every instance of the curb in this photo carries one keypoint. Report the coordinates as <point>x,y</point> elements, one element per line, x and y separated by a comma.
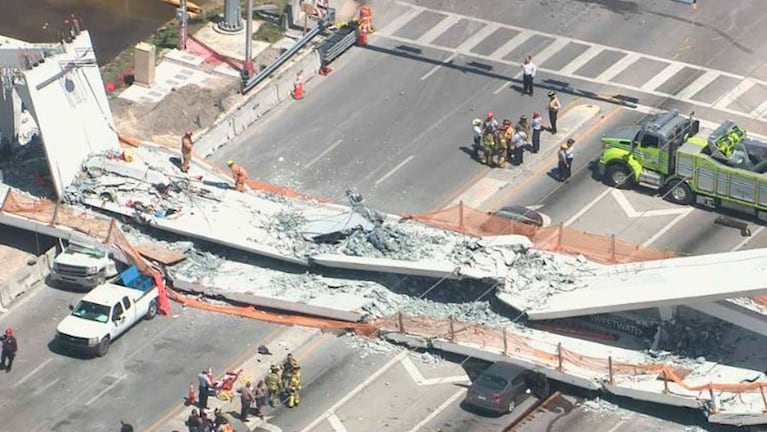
<point>26,280</point>
<point>268,95</point>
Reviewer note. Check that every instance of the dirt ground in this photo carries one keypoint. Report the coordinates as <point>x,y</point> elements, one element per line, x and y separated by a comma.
<point>17,247</point>
<point>187,108</point>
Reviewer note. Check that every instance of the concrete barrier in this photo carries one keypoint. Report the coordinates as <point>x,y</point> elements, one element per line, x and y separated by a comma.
<point>27,278</point>
<point>263,99</point>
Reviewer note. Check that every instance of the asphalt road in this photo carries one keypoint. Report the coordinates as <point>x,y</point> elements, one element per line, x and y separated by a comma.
<point>147,371</point>
<point>393,120</point>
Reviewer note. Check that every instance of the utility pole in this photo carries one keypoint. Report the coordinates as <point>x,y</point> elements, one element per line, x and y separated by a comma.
<point>248,65</point>
<point>183,25</point>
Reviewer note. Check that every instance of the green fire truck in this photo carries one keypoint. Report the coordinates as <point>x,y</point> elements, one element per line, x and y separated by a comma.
<point>666,153</point>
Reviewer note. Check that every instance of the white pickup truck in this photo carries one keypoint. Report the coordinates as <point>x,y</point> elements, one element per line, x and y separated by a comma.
<point>108,311</point>
<point>82,266</point>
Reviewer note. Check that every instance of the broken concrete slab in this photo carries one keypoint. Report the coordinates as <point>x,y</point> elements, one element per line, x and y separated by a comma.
<point>669,282</point>
<point>340,306</point>
<point>66,96</point>
<point>334,228</point>
<point>385,265</point>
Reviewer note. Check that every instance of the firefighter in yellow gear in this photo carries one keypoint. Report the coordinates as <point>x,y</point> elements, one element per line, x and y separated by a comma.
<point>489,147</point>
<point>524,126</point>
<point>273,385</point>
<point>294,387</point>
<point>504,139</point>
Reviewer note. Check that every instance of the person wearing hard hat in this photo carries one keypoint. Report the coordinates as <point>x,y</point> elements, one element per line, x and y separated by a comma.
<point>491,124</point>
<point>239,174</point>
<point>477,136</point>
<point>186,151</point>
<point>273,385</point>
<point>10,346</point>
<point>294,387</point>
<point>554,106</point>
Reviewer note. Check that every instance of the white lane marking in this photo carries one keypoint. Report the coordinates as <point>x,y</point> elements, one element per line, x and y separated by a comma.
<point>438,410</point>
<point>42,389</point>
<point>582,59</point>
<point>734,94</point>
<point>420,381</point>
<point>633,213</point>
<point>617,425</point>
<point>662,76</point>
<point>587,207</point>
<point>666,228</point>
<point>32,372</point>
<point>745,241</point>
<point>393,170</point>
<point>511,44</point>
<point>401,20</point>
<point>699,84</point>
<point>341,402</point>
<point>618,67</point>
<point>323,154</point>
<point>438,29</point>
<point>336,424</point>
<point>760,110</point>
<point>109,387</point>
<point>477,37</point>
<point>437,67</point>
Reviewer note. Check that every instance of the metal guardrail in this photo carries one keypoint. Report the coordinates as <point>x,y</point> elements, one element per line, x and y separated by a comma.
<point>337,43</point>
<point>324,23</point>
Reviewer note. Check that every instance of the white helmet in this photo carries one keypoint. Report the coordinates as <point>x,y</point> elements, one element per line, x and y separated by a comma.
<point>476,122</point>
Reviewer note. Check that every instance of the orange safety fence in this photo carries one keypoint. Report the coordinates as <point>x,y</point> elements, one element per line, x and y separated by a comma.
<point>557,238</point>
<point>555,357</point>
<point>366,329</point>
<point>101,228</point>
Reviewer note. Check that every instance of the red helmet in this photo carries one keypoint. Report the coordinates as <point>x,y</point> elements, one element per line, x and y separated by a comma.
<point>8,332</point>
<point>489,114</point>
<point>536,114</point>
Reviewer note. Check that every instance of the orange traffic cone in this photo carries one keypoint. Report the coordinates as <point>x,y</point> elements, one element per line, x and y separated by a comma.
<point>191,398</point>
<point>298,88</point>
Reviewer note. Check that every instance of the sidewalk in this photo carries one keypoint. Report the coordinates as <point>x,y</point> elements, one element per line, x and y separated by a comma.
<point>256,367</point>
<point>494,188</point>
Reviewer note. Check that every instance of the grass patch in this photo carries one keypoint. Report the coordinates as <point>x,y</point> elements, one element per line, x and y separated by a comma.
<point>269,32</point>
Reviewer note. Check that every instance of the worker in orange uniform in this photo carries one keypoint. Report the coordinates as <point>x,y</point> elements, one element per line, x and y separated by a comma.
<point>186,151</point>
<point>239,174</point>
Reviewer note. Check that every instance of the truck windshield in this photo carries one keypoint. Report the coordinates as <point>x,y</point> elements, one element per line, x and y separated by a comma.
<point>86,250</point>
<point>91,312</point>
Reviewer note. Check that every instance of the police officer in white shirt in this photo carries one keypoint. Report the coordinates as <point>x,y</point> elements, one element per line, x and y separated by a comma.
<point>528,74</point>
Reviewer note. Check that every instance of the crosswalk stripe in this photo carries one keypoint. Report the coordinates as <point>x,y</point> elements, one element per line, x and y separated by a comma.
<point>401,21</point>
<point>438,29</point>
<point>575,77</point>
<point>662,76</point>
<point>582,59</point>
<point>619,66</point>
<point>699,84</point>
<point>554,47</point>
<point>477,37</point>
<point>511,44</point>
<point>734,94</point>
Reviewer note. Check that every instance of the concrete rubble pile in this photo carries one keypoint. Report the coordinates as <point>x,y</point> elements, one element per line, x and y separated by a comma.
<point>150,188</point>
<point>223,272</point>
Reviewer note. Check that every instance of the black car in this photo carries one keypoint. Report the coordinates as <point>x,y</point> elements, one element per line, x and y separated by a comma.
<point>499,388</point>
<point>520,214</point>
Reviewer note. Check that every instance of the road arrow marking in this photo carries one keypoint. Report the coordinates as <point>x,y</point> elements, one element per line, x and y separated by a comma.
<point>418,378</point>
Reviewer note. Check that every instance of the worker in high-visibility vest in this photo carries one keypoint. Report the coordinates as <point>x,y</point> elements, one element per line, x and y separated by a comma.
<point>294,387</point>
<point>239,174</point>
<point>186,151</point>
<point>273,385</point>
